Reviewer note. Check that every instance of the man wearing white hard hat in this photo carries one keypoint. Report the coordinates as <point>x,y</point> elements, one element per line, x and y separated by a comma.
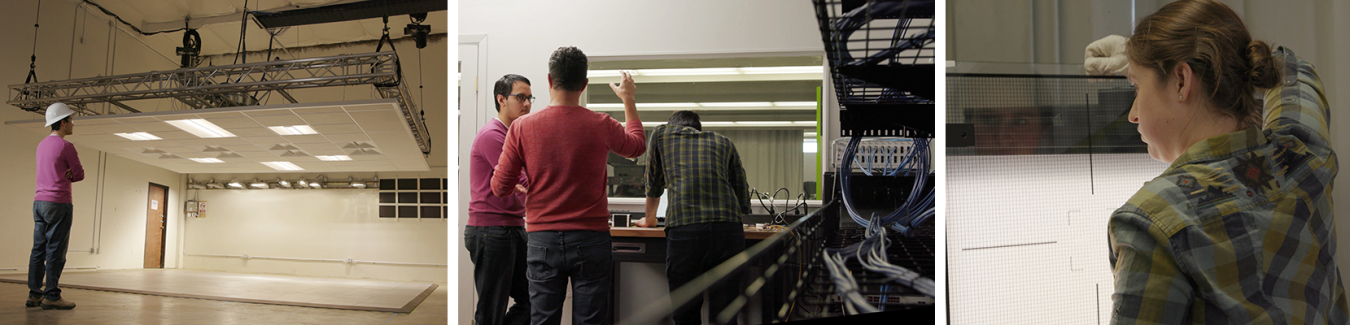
<point>58,165</point>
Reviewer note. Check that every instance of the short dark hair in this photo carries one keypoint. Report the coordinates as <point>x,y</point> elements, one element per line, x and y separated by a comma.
<point>686,118</point>
<point>504,86</point>
<point>57,126</point>
<point>567,69</point>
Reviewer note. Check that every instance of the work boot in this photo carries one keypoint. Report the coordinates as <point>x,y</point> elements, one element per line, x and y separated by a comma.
<point>57,304</point>
<point>33,301</point>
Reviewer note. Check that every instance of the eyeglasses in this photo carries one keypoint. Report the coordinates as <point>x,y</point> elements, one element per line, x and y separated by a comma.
<point>522,97</point>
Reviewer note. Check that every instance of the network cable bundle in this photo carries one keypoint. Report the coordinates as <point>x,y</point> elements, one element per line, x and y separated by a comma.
<point>878,250</point>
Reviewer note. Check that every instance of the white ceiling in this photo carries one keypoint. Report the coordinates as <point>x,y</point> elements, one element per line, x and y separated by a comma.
<point>218,22</point>
<point>372,132</point>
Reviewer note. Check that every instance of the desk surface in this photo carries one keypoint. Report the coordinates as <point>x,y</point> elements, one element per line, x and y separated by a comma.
<point>660,232</point>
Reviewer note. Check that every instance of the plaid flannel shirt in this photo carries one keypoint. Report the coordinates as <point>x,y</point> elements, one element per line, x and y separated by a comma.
<point>1239,229</point>
<point>707,182</point>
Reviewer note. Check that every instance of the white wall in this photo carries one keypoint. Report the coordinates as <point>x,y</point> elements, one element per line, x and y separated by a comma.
<point>520,36</point>
<point>110,204</point>
<point>318,224</point>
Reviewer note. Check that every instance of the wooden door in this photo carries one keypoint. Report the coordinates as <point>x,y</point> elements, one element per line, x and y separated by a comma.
<point>155,218</point>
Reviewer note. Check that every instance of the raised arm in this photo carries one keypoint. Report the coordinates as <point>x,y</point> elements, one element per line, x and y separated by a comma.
<point>1299,104</point>
<point>629,142</point>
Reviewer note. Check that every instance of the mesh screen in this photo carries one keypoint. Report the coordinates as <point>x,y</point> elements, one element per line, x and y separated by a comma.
<point>1029,199</point>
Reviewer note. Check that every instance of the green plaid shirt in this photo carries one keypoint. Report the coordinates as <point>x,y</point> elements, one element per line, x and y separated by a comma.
<point>1239,229</point>
<point>704,173</point>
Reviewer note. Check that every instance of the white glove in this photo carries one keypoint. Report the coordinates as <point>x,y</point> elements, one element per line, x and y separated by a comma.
<point>1106,56</point>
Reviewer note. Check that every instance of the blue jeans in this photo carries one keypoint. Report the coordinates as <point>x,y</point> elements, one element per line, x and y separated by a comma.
<point>51,237</point>
<point>692,250</point>
<point>498,255</point>
<point>584,257</point>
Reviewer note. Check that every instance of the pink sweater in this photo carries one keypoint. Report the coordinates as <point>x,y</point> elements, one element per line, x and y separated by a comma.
<point>55,156</point>
<point>486,209</point>
<point>563,149</point>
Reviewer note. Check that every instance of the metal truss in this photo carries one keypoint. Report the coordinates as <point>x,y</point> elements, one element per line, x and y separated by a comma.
<point>228,86</point>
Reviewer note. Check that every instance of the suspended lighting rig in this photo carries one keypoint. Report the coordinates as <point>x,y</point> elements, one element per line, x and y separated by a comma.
<point>228,86</point>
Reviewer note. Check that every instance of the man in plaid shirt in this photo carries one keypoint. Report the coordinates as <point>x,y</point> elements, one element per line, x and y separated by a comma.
<point>1239,229</point>
<point>708,196</point>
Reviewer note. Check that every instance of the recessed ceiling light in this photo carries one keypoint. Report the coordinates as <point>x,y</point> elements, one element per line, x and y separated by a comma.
<point>201,128</point>
<point>282,165</point>
<point>138,136</point>
<point>334,158</point>
<point>207,160</point>
<point>293,130</point>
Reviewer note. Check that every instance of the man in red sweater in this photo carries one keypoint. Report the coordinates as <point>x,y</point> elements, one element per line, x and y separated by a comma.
<point>563,148</point>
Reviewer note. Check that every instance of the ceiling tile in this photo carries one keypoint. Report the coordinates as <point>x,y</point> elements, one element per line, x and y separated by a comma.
<point>208,116</point>
<point>328,119</point>
<point>311,111</point>
<point>241,148</point>
<point>378,121</point>
<point>253,132</point>
<point>387,139</point>
<point>280,120</point>
<point>267,141</point>
<point>268,112</point>
<point>137,120</point>
<point>228,141</point>
<point>347,128</point>
<point>317,146</point>
<point>176,136</point>
<point>258,154</point>
<point>234,123</point>
<point>306,139</point>
<point>363,108</point>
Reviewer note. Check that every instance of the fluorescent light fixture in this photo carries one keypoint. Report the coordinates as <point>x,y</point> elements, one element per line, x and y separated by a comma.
<point>293,130</point>
<point>736,104</point>
<point>334,158</point>
<point>235,184</point>
<point>809,146</point>
<point>782,70</point>
<point>258,184</point>
<point>358,183</point>
<point>137,136</point>
<point>709,106</point>
<point>745,124</point>
<point>282,165</point>
<point>207,160</point>
<point>710,71</point>
<point>201,128</point>
<point>686,72</point>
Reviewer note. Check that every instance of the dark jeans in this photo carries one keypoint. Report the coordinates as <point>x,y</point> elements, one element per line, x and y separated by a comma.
<point>51,237</point>
<point>498,255</point>
<point>586,258</point>
<point>692,250</point>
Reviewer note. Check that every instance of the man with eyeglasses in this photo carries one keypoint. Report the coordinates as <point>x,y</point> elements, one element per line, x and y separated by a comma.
<point>564,148</point>
<point>495,234</point>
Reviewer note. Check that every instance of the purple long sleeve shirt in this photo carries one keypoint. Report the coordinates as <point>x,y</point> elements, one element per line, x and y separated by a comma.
<point>55,156</point>
<point>486,209</point>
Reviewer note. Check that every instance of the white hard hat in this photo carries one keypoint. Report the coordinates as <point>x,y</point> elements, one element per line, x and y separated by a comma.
<point>56,112</point>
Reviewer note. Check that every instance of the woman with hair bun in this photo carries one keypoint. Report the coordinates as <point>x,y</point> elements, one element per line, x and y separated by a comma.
<point>1239,228</point>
